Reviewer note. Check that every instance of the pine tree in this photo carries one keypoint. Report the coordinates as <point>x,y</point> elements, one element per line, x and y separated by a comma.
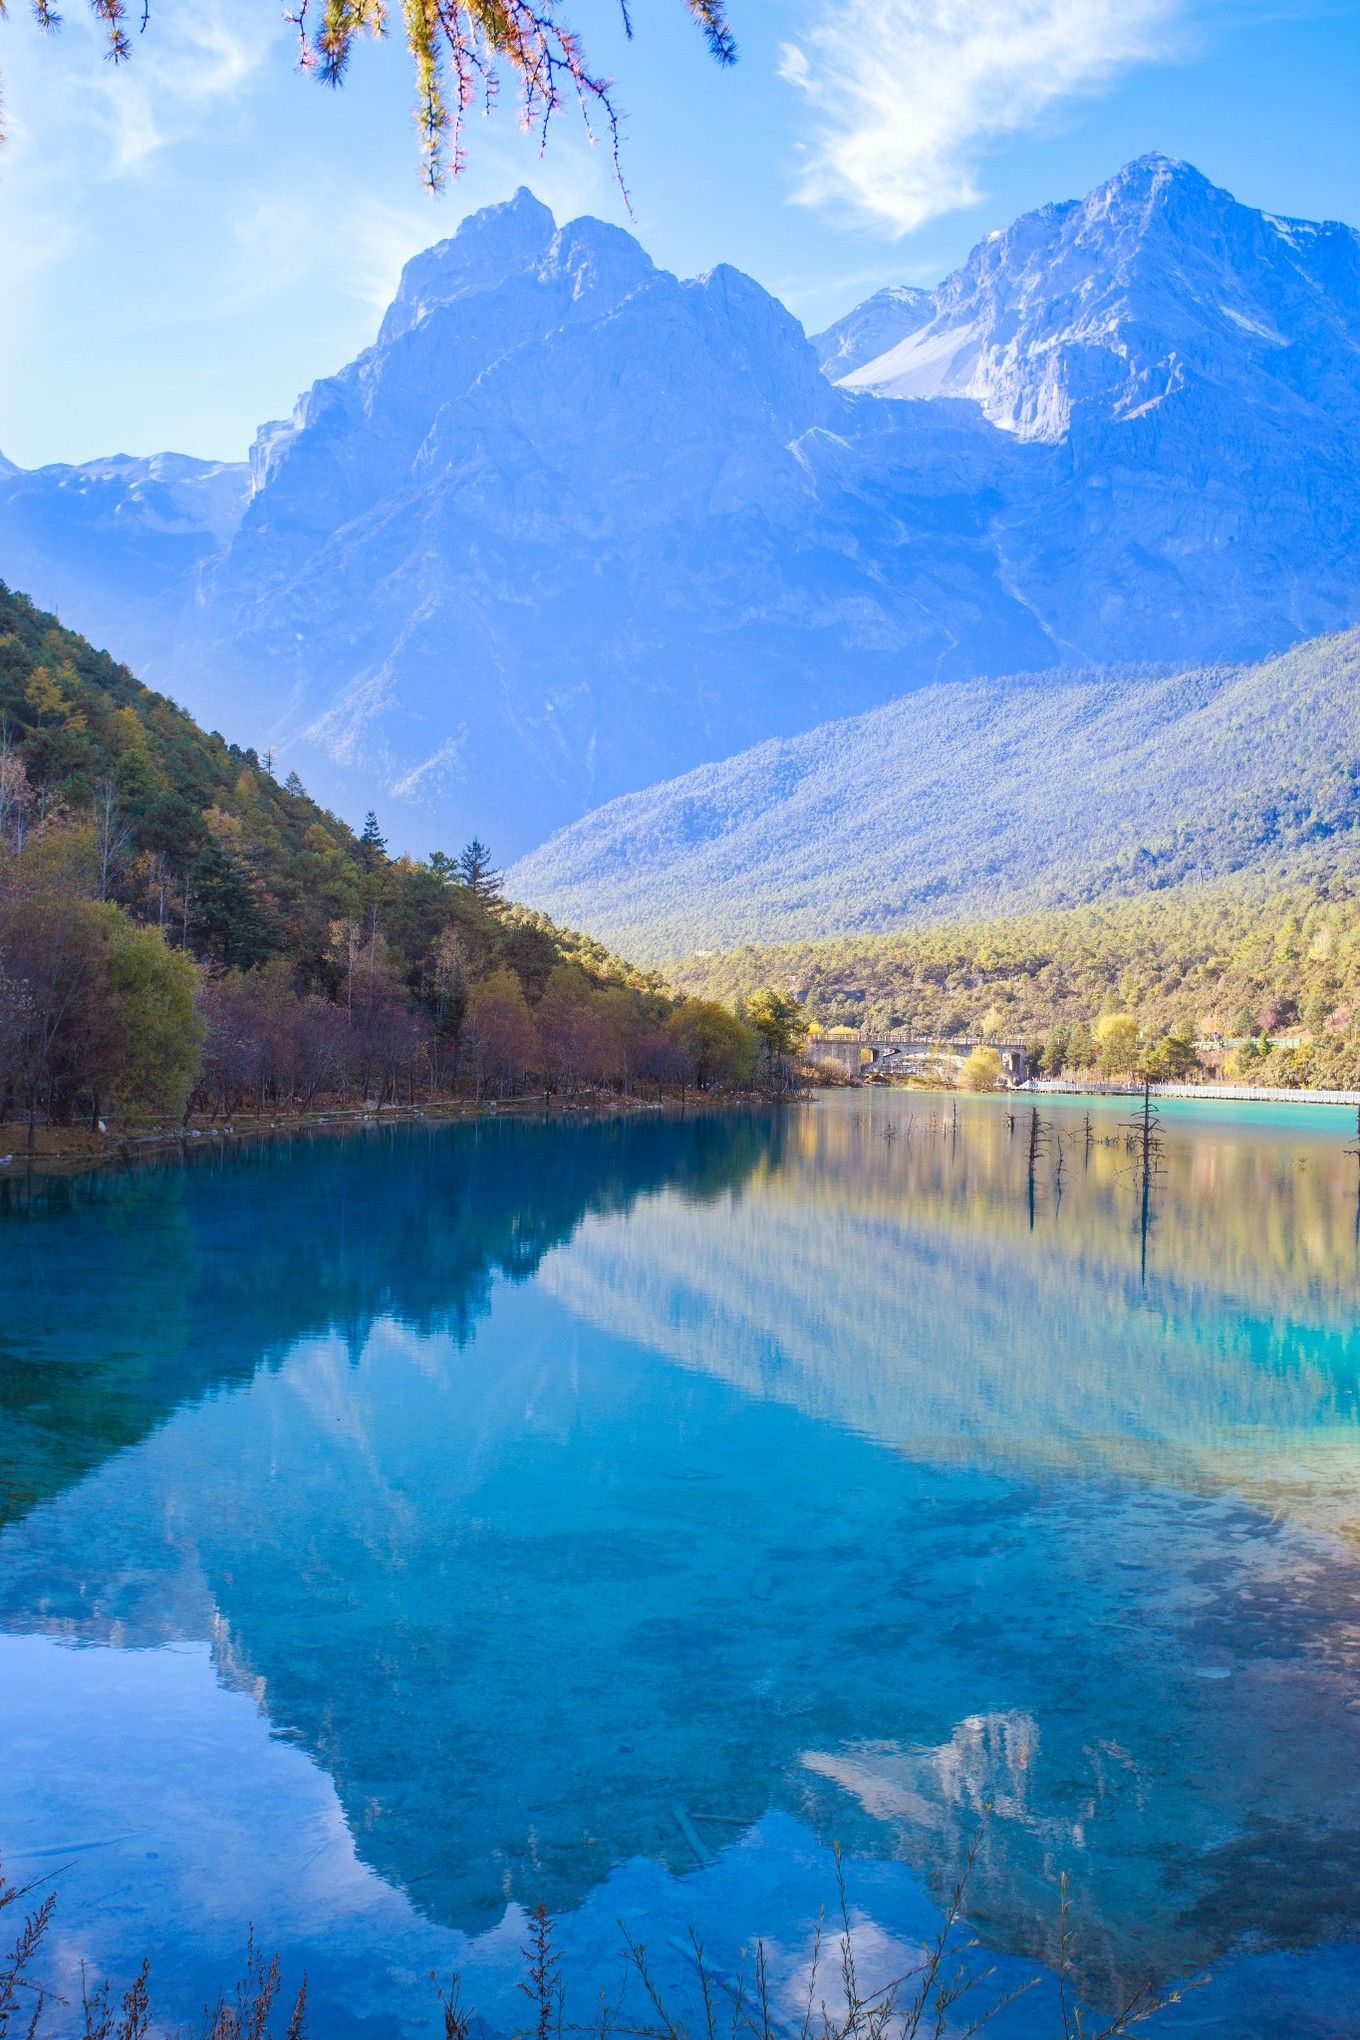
<point>230,920</point>
<point>292,784</point>
<point>372,843</point>
<point>475,870</point>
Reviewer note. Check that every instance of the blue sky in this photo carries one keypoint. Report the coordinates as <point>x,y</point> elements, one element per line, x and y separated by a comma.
<point>189,242</point>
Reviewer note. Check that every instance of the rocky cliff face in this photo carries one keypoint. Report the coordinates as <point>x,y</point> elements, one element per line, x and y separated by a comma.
<point>573,525</point>
<point>872,329</point>
<point>571,520</point>
<point>1154,287</point>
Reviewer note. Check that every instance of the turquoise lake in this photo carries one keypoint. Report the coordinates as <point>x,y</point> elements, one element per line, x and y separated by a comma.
<point>401,1529</point>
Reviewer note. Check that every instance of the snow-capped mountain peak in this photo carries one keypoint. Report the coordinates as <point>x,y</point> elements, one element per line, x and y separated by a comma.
<point>872,329</point>
<point>1106,307</point>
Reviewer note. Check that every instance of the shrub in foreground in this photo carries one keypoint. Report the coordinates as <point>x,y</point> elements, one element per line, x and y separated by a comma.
<point>945,1991</point>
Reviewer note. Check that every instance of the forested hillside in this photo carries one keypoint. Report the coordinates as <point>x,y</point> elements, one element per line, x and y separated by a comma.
<point>1271,966</point>
<point>177,927</point>
<point>975,799</point>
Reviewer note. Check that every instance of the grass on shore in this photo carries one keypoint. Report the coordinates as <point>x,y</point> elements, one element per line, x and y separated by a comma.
<point>944,1995</point>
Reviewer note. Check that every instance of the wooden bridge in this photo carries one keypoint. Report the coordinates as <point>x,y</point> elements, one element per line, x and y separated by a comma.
<point>863,1055</point>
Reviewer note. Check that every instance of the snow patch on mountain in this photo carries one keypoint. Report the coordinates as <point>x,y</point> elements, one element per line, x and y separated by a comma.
<point>872,329</point>
<point>1100,308</point>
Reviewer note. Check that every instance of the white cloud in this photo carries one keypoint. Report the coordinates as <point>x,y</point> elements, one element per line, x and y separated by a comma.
<point>68,100</point>
<point>906,94</point>
<point>187,63</point>
<point>75,121</point>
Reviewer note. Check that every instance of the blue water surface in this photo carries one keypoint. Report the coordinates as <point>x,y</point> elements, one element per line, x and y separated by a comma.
<point>402,1530</point>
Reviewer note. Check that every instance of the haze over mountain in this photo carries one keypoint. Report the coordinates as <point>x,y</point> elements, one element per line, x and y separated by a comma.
<point>572,526</point>
<point>976,799</point>
<point>121,543</point>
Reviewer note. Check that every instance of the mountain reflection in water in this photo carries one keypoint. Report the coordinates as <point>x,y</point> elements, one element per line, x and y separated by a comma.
<point>538,1481</point>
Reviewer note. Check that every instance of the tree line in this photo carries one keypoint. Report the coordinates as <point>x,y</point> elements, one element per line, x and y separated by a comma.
<point>180,932</point>
<point>1257,979</point>
<point>1115,1048</point>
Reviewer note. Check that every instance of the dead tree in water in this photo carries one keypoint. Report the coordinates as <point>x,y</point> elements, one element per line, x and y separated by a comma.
<point>1146,1128</point>
<point>1356,1152</point>
<point>1089,1132</point>
<point>1145,1139</point>
<point>1038,1142</point>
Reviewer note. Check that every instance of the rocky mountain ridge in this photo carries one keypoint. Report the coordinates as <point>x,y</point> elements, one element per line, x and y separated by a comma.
<point>572,525</point>
<point>1101,310</point>
<point>872,329</point>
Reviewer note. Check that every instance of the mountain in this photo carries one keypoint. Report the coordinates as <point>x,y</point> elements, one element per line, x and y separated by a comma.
<point>572,525</point>
<point>120,543</point>
<point>872,329</point>
<point>1104,311</point>
<point>569,524</point>
<point>977,799</point>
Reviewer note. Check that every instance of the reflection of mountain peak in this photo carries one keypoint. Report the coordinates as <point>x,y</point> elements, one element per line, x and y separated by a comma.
<point>524,1594</point>
<point>987,1767</point>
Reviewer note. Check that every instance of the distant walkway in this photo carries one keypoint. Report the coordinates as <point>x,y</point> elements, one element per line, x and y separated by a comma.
<point>1261,1093</point>
<point>900,1053</point>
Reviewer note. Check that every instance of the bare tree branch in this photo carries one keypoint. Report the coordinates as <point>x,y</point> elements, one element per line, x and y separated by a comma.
<point>459,50</point>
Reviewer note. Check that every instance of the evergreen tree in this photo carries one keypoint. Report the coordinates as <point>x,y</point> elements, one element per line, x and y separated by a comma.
<point>475,870</point>
<point>292,784</point>
<point>228,916</point>
<point>779,1022</point>
<point>372,843</point>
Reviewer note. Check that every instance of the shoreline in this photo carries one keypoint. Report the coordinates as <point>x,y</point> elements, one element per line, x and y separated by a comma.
<point>89,1153</point>
<point>1057,1087</point>
<point>93,1152</point>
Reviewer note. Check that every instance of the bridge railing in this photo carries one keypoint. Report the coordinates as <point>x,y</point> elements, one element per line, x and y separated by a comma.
<point>954,1044</point>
